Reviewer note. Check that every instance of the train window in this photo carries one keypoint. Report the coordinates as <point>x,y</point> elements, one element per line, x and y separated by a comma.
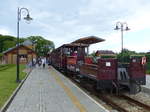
<point>66,51</point>
<point>74,53</point>
<point>23,56</point>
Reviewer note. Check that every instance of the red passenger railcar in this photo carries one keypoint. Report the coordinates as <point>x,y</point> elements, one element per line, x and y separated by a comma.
<point>104,73</point>
<point>65,59</point>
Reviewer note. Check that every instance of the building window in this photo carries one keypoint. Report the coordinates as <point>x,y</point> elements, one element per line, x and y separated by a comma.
<point>23,57</point>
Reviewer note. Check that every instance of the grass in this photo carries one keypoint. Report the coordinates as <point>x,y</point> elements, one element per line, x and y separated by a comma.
<point>5,66</point>
<point>8,82</point>
<point>148,68</point>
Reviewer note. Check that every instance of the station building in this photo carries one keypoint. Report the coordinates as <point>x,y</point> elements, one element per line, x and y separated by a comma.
<point>26,54</point>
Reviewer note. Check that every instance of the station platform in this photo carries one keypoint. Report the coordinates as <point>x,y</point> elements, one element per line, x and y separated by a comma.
<point>147,81</point>
<point>146,88</point>
<point>47,90</point>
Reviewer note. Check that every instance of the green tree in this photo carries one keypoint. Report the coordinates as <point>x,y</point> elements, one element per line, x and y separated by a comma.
<point>1,55</point>
<point>6,42</point>
<point>92,54</point>
<point>42,46</point>
<point>21,40</point>
<point>147,57</point>
<point>124,56</point>
<point>148,62</point>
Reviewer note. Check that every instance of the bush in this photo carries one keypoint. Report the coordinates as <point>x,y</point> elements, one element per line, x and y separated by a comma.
<point>109,56</point>
<point>148,57</point>
<point>124,56</point>
<point>1,54</point>
<point>148,67</point>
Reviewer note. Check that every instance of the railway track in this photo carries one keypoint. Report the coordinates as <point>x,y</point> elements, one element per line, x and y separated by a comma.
<point>140,104</point>
<point>112,103</point>
<point>121,103</point>
<point>124,103</point>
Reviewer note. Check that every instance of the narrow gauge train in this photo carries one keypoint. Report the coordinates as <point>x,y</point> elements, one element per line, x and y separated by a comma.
<point>106,74</point>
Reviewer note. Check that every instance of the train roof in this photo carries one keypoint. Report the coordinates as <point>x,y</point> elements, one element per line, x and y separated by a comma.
<point>89,40</point>
<point>73,45</point>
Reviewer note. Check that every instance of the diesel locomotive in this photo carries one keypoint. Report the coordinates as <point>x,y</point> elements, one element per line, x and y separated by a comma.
<point>105,74</point>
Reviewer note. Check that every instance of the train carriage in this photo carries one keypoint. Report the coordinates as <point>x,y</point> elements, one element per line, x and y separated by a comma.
<point>106,73</point>
<point>64,57</point>
<point>132,74</point>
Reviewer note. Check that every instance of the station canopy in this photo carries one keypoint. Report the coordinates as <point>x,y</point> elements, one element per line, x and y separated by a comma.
<point>89,40</point>
<point>72,45</point>
<point>75,45</point>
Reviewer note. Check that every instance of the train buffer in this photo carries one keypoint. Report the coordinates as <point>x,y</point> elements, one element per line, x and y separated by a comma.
<point>47,90</point>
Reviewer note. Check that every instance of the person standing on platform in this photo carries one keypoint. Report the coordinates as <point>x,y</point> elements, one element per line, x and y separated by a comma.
<point>34,62</point>
<point>43,62</point>
<point>39,61</point>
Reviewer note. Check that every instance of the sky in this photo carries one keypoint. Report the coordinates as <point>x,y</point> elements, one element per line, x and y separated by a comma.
<point>63,21</point>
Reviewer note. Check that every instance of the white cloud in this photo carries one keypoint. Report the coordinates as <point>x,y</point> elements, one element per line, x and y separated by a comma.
<point>140,20</point>
<point>66,21</point>
<point>4,32</point>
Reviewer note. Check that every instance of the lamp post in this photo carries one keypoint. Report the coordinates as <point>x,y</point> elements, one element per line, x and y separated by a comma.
<point>123,26</point>
<point>28,18</point>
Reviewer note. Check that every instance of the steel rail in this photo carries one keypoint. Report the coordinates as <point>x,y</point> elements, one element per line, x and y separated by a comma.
<point>147,107</point>
<point>112,104</point>
<point>107,100</point>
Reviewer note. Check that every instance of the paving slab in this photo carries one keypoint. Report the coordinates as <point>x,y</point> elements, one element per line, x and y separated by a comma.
<point>47,90</point>
<point>147,81</point>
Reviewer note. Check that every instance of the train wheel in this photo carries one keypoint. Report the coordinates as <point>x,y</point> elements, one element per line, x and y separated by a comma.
<point>138,88</point>
<point>135,88</point>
